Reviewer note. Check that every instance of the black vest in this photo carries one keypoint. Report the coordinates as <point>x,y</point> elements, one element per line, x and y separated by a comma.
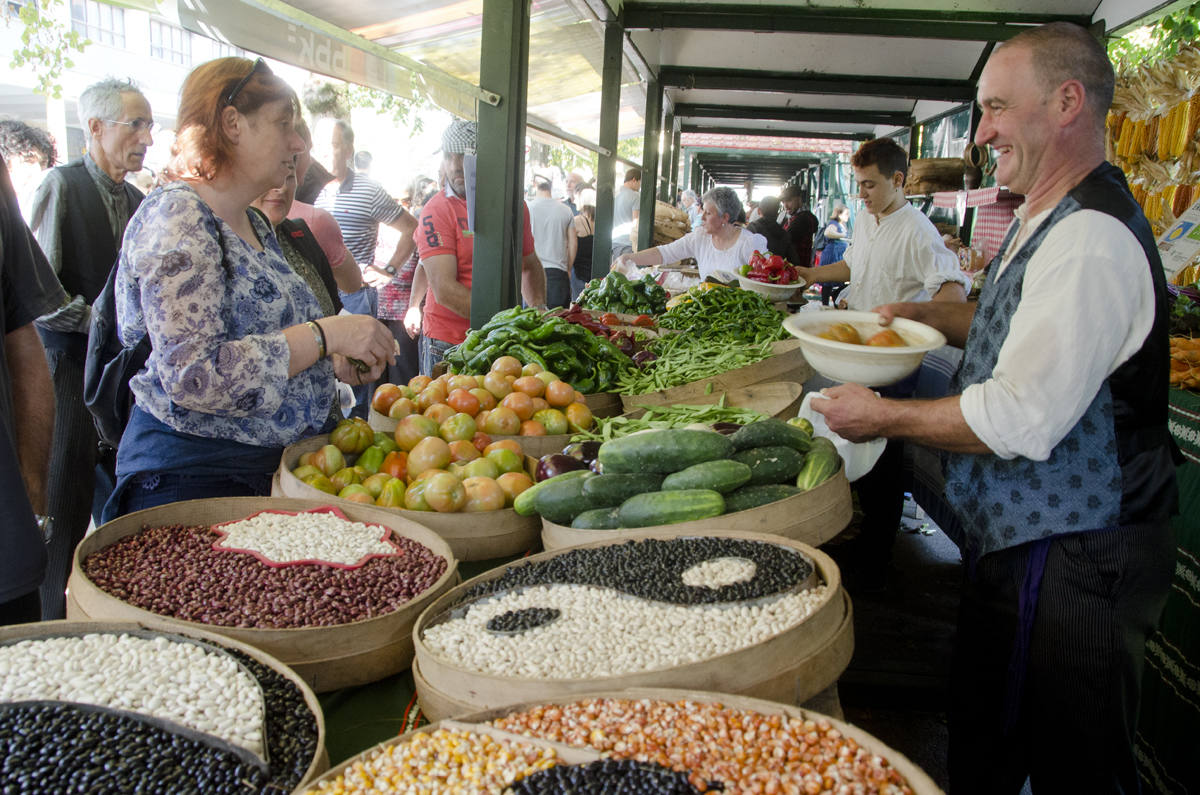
<point>88,249</point>
<point>1114,467</point>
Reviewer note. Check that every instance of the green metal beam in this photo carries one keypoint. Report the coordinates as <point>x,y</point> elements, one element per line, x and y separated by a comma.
<point>898,118</point>
<point>693,77</point>
<point>610,106</point>
<point>983,59</point>
<point>500,166</point>
<point>667,180</point>
<point>654,100</point>
<point>834,136</point>
<point>674,187</point>
<point>852,20</point>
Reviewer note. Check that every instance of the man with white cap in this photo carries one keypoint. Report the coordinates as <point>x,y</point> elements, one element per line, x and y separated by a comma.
<point>446,245</point>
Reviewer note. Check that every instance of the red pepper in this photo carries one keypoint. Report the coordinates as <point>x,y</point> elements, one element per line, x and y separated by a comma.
<point>643,320</point>
<point>610,319</point>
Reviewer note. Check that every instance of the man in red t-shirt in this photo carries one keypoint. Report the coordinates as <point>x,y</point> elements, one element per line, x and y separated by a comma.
<point>446,248</point>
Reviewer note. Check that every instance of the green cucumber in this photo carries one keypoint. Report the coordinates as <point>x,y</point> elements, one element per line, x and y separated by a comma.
<point>820,464</point>
<point>662,451</point>
<point>561,502</point>
<point>613,490</point>
<point>748,497</point>
<point>722,476</point>
<point>597,519</point>
<point>769,433</point>
<point>669,507</point>
<point>523,504</point>
<point>776,464</point>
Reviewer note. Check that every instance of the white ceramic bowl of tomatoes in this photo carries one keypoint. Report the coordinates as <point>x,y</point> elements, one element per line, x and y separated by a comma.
<point>856,348</point>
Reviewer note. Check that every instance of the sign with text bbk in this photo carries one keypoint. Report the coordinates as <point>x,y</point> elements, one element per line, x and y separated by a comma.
<point>259,31</point>
<point>1178,245</point>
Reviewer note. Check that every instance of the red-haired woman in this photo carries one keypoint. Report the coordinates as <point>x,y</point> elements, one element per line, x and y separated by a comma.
<point>243,361</point>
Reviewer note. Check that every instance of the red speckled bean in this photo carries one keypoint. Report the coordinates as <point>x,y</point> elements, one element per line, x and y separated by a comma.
<point>174,571</point>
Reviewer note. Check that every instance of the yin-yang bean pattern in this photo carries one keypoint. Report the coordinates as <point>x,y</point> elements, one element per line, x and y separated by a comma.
<point>653,569</point>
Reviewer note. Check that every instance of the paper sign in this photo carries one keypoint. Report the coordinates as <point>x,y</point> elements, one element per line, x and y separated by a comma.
<point>1178,245</point>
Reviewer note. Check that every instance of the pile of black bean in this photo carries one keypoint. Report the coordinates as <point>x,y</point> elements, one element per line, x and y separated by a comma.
<point>291,725</point>
<point>653,569</point>
<point>65,748</point>
<point>607,776</point>
<point>522,620</point>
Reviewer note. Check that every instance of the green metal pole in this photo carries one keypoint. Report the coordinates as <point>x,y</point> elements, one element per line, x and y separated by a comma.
<point>610,109</point>
<point>675,135</point>
<point>666,183</point>
<point>500,169</point>
<point>654,96</point>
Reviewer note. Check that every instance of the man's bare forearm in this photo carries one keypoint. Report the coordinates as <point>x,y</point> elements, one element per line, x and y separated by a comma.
<point>533,281</point>
<point>951,318</point>
<point>33,410</point>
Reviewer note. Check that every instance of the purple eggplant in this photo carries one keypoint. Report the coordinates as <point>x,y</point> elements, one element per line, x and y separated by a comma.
<point>642,358</point>
<point>596,467</point>
<point>623,342</point>
<point>584,451</point>
<point>726,428</point>
<point>557,464</point>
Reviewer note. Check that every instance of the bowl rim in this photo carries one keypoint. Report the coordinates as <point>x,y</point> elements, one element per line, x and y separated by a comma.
<point>794,322</point>
<point>742,280</point>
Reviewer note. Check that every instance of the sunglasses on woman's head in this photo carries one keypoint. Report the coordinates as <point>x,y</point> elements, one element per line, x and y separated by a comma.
<point>259,66</point>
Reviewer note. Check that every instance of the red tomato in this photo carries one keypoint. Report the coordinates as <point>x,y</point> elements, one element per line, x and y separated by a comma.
<point>395,464</point>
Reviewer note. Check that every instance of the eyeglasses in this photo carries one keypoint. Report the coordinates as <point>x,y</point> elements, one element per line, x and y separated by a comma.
<point>139,125</point>
<point>259,66</point>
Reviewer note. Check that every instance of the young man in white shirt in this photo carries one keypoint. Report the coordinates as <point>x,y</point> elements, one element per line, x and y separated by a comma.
<point>896,254</point>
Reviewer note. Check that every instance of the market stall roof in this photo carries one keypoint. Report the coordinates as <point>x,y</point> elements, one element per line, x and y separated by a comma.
<point>846,68</point>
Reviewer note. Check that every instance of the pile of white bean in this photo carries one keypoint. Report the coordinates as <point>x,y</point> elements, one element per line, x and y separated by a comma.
<point>719,572</point>
<point>181,682</point>
<point>603,632</point>
<point>284,538</point>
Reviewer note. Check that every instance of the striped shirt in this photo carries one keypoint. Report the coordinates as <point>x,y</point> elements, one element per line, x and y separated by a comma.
<point>359,205</point>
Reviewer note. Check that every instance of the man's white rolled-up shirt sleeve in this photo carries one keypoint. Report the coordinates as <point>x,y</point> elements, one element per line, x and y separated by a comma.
<point>1087,305</point>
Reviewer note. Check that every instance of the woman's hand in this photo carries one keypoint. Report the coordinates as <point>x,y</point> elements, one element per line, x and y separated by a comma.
<point>350,374</point>
<point>359,337</point>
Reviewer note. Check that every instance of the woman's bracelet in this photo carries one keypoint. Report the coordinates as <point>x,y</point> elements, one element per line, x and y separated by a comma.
<point>319,336</point>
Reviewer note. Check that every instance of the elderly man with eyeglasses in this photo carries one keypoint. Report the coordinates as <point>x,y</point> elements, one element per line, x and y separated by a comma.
<point>79,215</point>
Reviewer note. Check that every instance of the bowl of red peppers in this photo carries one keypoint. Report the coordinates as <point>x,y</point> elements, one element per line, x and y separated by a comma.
<point>770,275</point>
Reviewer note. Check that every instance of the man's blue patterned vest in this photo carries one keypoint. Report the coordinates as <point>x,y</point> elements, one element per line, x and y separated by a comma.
<point>1114,467</point>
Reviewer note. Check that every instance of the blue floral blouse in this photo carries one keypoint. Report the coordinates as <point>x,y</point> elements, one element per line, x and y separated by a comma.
<point>215,310</point>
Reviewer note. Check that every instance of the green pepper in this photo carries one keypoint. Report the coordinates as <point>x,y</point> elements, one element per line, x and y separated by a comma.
<point>503,334</point>
<point>472,341</point>
<point>558,349</point>
<point>546,330</point>
<point>481,362</point>
<point>527,355</point>
<point>585,385</point>
<point>570,331</point>
<point>371,458</point>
